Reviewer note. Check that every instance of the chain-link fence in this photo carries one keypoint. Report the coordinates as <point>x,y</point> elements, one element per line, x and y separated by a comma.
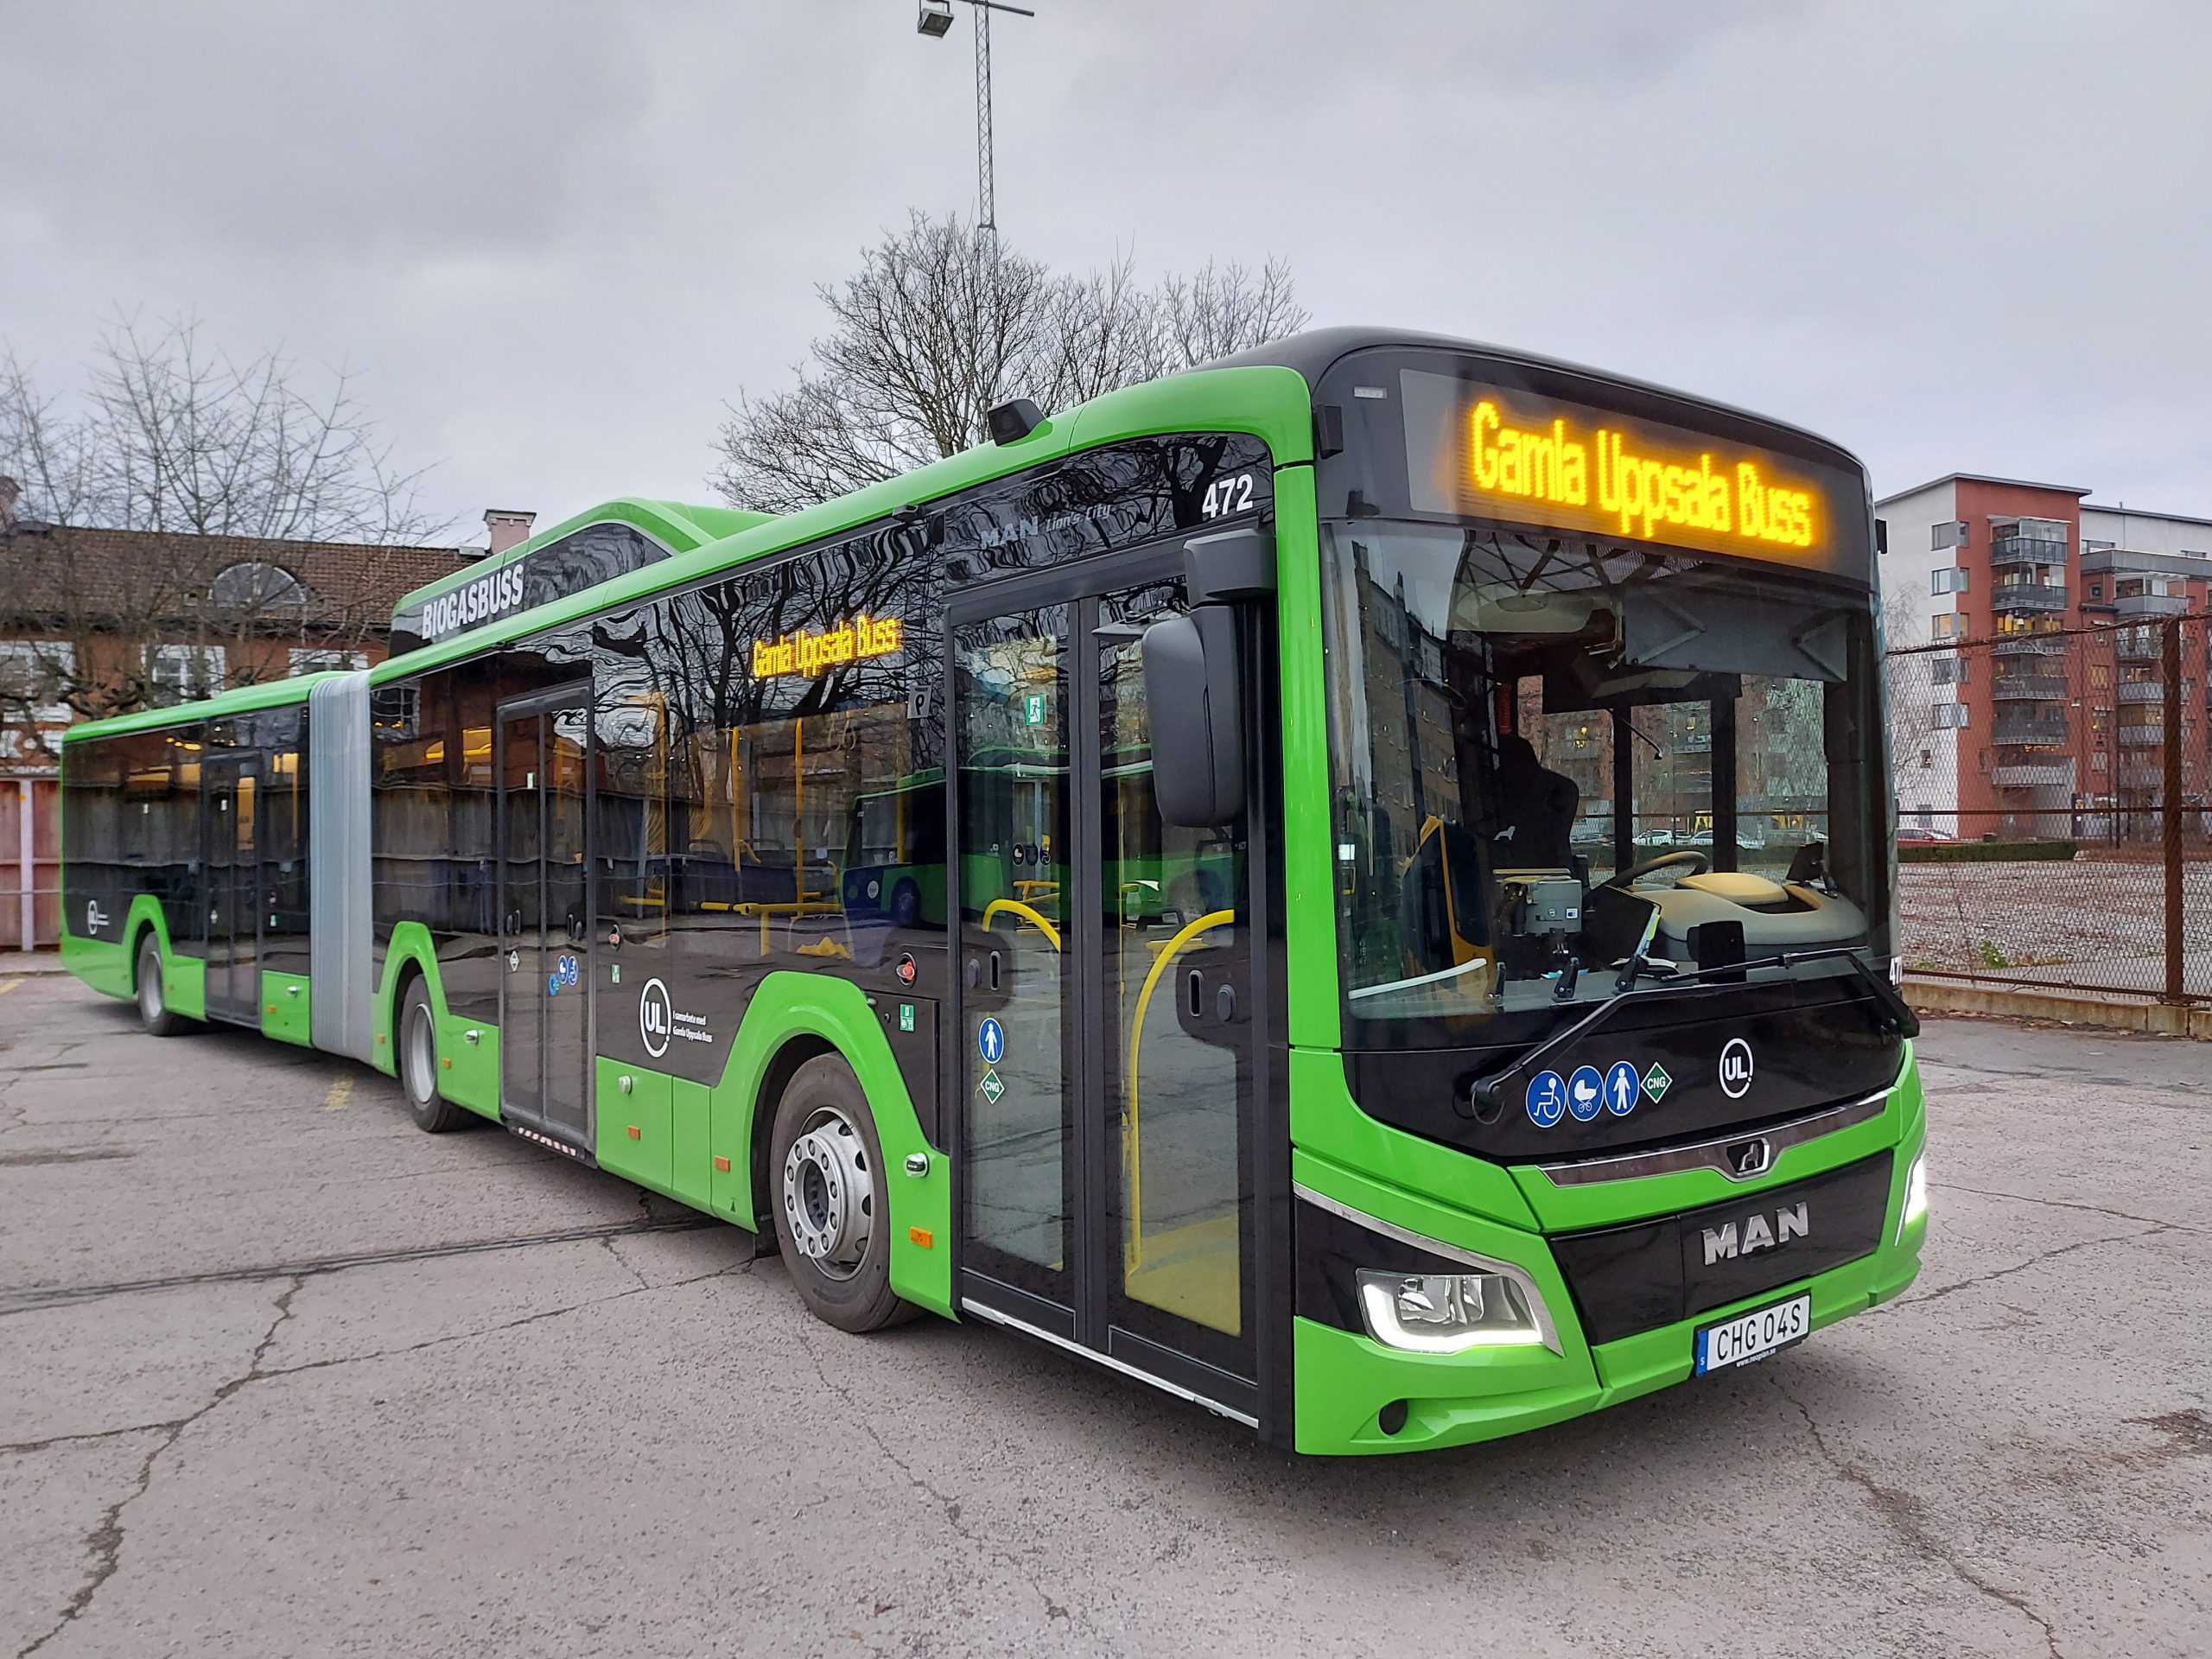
<point>2053,791</point>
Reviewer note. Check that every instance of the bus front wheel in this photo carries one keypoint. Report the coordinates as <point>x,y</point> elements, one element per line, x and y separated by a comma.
<point>418,1065</point>
<point>154,1011</point>
<point>829,1197</point>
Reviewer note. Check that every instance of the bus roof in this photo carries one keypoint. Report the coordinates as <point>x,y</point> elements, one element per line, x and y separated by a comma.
<point>679,526</point>
<point>1312,354</point>
<point>1267,391</point>
<point>275,694</point>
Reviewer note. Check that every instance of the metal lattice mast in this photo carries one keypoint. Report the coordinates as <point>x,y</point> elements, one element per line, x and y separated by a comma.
<point>986,187</point>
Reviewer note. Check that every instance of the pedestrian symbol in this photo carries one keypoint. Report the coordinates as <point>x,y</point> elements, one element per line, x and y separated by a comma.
<point>1621,1088</point>
<point>992,1087</point>
<point>1547,1099</point>
<point>990,1042</point>
<point>1585,1092</point>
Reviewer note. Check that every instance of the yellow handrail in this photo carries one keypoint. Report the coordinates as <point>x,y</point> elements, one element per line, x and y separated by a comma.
<point>1014,906</point>
<point>1133,1136</point>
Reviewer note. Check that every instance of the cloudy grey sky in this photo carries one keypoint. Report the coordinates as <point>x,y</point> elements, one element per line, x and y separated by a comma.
<point>1971,234</point>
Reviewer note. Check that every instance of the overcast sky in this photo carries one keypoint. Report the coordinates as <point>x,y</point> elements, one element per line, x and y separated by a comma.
<point>1952,234</point>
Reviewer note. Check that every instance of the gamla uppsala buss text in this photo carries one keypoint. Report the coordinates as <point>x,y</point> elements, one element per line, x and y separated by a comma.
<point>1354,885</point>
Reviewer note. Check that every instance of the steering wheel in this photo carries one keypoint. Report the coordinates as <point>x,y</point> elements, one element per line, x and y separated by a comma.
<point>1680,856</point>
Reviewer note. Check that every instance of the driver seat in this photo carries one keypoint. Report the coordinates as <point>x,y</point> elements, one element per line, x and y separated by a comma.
<point>1533,809</point>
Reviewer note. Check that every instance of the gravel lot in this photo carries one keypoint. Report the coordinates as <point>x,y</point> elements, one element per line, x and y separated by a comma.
<point>279,1375</point>
<point>2093,921</point>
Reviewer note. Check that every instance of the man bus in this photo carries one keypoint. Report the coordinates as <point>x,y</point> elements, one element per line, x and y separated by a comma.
<point>1318,1074</point>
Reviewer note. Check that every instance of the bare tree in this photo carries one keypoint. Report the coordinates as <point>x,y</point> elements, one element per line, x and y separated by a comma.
<point>175,440</point>
<point>941,323</point>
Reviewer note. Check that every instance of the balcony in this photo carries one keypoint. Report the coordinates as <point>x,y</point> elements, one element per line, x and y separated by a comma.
<point>2134,607</point>
<point>2142,737</point>
<point>2026,550</point>
<point>2029,688</point>
<point>2017,596</point>
<point>2054,775</point>
<point>2028,644</point>
<point>2142,690</point>
<point>2018,726</point>
<point>2139,650</point>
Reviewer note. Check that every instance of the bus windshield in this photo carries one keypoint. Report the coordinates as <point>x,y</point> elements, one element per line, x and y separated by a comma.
<point>1550,754</point>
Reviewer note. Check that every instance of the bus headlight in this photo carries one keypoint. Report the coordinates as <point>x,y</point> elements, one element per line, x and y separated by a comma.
<point>1446,1313</point>
<point>1915,1192</point>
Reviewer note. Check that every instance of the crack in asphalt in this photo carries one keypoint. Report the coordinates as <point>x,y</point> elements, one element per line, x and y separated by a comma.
<point>1901,1512</point>
<point>2069,1203</point>
<point>25,1302</point>
<point>105,1540</point>
<point>949,1506</point>
<point>1922,1298</point>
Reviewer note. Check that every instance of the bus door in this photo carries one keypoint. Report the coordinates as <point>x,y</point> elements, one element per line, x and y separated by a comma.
<point>546,925</point>
<point>232,889</point>
<point>1105,1061</point>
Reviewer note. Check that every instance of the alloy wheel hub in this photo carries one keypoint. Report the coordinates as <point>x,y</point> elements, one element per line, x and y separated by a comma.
<point>827,1197</point>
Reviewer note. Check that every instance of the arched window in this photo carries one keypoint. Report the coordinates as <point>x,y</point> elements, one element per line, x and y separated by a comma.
<point>255,585</point>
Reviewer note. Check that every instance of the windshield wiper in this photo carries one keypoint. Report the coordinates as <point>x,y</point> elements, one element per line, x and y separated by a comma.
<point>1898,1014</point>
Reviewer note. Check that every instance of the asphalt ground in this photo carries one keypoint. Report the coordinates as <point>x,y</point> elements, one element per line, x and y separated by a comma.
<point>281,1375</point>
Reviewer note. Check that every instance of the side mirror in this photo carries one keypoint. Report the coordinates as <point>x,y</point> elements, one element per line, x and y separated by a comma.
<point>1191,687</point>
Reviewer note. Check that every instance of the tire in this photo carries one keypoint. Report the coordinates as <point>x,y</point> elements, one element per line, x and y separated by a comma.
<point>416,1058</point>
<point>827,1187</point>
<point>154,1014</point>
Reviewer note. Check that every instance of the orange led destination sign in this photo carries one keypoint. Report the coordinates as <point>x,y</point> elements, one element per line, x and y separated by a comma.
<point>1480,450</point>
<point>808,654</point>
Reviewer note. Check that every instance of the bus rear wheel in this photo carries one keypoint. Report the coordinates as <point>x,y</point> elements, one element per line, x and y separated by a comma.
<point>418,1065</point>
<point>826,1168</point>
<point>154,1011</point>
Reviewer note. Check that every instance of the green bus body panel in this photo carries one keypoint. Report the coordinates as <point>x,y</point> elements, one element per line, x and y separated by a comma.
<point>1309,871</point>
<point>285,1001</point>
<point>101,964</point>
<point>637,1124</point>
<point>1327,1124</point>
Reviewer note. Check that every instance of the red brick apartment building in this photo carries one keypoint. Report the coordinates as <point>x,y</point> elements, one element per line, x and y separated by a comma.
<point>2050,718</point>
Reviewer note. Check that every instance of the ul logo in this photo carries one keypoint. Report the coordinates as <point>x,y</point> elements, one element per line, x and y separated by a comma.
<point>656,1017</point>
<point>1736,1068</point>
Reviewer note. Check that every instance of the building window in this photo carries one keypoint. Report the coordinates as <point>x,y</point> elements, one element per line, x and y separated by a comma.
<point>256,585</point>
<point>318,659</point>
<point>1950,581</point>
<point>1947,671</point>
<point>1946,626</point>
<point>183,673</point>
<point>1950,716</point>
<point>1953,534</point>
<point>32,674</point>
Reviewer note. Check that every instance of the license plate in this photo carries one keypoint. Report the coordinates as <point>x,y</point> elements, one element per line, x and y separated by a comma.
<point>1753,1336</point>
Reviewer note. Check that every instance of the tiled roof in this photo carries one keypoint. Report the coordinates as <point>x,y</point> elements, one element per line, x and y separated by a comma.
<point>88,575</point>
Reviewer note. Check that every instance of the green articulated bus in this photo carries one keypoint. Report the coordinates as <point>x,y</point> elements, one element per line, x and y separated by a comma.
<point>1132,883</point>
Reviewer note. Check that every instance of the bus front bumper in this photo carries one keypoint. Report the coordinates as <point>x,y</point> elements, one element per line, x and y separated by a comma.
<point>1354,1395</point>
